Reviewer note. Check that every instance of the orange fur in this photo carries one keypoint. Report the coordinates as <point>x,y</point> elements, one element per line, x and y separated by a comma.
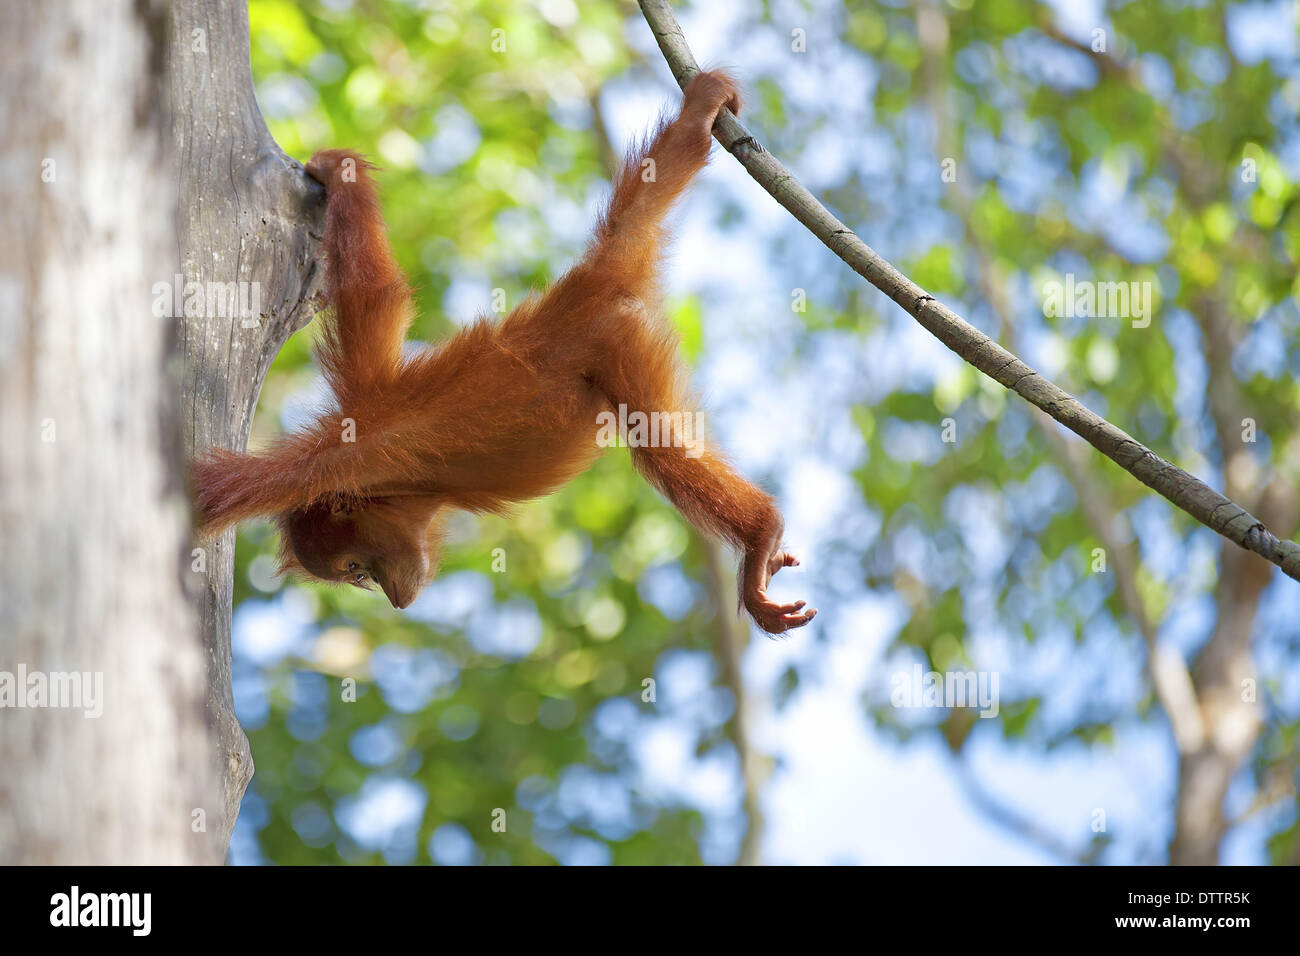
<point>499,413</point>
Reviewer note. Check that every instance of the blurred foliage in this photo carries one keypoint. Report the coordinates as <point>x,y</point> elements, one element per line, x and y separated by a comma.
<point>1156,163</point>
<point>522,690</point>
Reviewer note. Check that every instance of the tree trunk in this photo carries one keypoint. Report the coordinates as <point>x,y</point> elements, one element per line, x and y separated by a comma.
<point>108,222</point>
<point>1232,717</point>
<point>93,512</point>
<point>248,214</point>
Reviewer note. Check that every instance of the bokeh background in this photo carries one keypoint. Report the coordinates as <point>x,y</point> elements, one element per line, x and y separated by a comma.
<point>1171,158</point>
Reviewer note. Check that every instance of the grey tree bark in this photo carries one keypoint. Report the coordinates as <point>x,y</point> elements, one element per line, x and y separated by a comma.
<point>138,171</point>
<point>248,214</point>
<point>93,511</point>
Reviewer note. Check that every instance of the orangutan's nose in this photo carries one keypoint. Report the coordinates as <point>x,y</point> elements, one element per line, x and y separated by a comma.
<point>399,596</point>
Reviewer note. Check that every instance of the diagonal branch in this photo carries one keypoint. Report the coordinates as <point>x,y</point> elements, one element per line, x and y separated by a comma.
<point>1198,499</point>
<point>1011,819</point>
<point>731,636</point>
<point>1193,174</point>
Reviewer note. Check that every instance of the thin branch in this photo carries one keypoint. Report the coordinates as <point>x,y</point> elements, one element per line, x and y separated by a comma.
<point>1279,784</point>
<point>730,639</point>
<point>1014,821</point>
<point>1195,497</point>
<point>1193,173</point>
